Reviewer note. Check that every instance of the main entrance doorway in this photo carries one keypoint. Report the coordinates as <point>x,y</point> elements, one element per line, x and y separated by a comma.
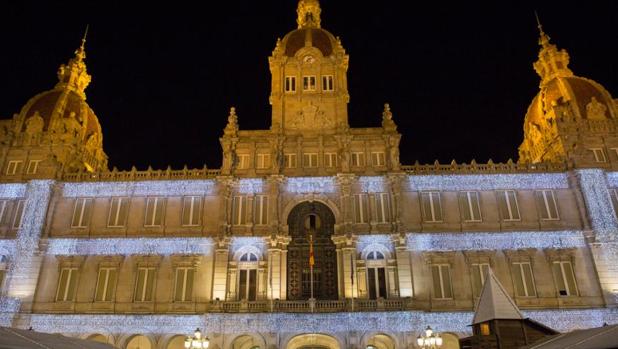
<point>313,217</point>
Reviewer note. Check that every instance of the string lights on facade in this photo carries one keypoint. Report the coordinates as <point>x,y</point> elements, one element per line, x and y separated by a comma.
<point>489,182</point>
<point>139,188</point>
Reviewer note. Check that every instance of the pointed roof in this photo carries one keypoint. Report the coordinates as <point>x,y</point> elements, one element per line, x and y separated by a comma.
<point>495,302</point>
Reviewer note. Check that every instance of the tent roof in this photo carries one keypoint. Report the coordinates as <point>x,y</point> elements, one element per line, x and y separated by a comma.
<point>495,302</point>
<point>592,338</point>
<point>12,338</point>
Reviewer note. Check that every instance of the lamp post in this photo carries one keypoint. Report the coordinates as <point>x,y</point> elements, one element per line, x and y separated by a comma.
<point>430,339</point>
<point>197,341</point>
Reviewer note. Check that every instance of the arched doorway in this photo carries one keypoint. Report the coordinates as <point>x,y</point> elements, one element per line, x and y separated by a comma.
<point>245,342</point>
<point>177,342</point>
<point>304,218</point>
<point>313,341</point>
<point>98,338</point>
<point>139,342</point>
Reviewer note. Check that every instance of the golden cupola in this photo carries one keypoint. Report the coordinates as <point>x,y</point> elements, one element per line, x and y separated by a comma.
<point>564,99</point>
<point>60,119</point>
<point>309,82</point>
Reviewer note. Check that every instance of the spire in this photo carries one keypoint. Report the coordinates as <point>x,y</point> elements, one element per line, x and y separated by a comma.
<point>495,302</point>
<point>73,76</point>
<point>308,14</point>
<point>231,129</point>
<point>552,63</point>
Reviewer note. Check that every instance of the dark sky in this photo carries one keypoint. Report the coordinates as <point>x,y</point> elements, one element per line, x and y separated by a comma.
<point>459,78</point>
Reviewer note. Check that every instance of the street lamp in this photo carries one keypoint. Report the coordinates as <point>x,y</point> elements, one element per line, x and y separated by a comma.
<point>196,341</point>
<point>430,340</point>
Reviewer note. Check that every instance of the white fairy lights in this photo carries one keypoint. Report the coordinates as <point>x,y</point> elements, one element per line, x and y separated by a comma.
<point>12,190</point>
<point>600,210</point>
<point>139,188</point>
<point>372,184</point>
<point>250,185</point>
<point>301,185</point>
<point>495,241</point>
<point>128,246</point>
<point>523,181</point>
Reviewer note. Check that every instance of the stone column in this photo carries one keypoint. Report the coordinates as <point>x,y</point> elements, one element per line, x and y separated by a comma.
<point>220,269</point>
<point>346,265</point>
<point>395,189</point>
<point>404,267</point>
<point>275,270</point>
<point>344,182</point>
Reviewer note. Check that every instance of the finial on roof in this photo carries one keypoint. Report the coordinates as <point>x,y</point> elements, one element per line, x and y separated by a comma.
<point>543,38</point>
<point>308,14</point>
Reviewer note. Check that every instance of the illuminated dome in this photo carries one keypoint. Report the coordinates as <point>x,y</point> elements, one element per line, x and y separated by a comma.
<point>315,37</point>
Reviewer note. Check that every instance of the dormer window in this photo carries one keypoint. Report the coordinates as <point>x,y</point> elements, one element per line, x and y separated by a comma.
<point>290,84</point>
<point>309,83</point>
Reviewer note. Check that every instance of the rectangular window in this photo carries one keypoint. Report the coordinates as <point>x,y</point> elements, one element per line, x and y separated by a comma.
<point>361,211</point>
<point>358,159</point>
<point>239,210</point>
<point>290,84</point>
<point>376,282</point>
<point>3,211</point>
<point>19,214</point>
<point>377,158</point>
<point>118,212</point>
<point>13,167</point>
<point>67,283</point>
<point>2,276</point>
<point>191,210</point>
<point>260,210</point>
<point>155,208</point>
<point>144,284</point>
<point>523,279</point>
<point>479,273</point>
<point>243,161</point>
<point>106,284</point>
<point>565,279</point>
<point>33,166</point>
<point>469,206</point>
<point>327,83</point>
<point>432,209</point>
<point>309,83</point>
<point>547,205</point>
<point>184,284</point>
<point>247,284</point>
<point>507,201</point>
<point>381,207</point>
<point>290,160</point>
<point>310,160</point>
<point>81,213</point>
<point>441,275</point>
<point>330,159</point>
<point>263,161</point>
<point>599,155</point>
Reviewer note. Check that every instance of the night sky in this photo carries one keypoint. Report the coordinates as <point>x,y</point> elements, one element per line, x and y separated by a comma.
<point>459,79</point>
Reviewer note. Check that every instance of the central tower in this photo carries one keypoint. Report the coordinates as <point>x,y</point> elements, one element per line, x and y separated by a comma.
<point>309,92</point>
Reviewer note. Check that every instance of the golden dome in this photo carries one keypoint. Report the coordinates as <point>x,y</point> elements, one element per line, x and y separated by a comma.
<point>309,37</point>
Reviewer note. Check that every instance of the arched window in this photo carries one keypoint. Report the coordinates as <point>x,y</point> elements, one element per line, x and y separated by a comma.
<point>375,255</point>
<point>247,276</point>
<point>376,275</point>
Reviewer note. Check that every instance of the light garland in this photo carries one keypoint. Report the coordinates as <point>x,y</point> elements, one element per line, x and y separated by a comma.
<point>9,306</point>
<point>7,247</point>
<point>300,185</point>
<point>127,246</point>
<point>495,240</point>
<point>250,185</point>
<point>372,184</point>
<point>365,241</point>
<point>489,182</point>
<point>594,185</point>
<point>12,190</point>
<point>242,242</point>
<point>138,188</point>
<point>389,322</point>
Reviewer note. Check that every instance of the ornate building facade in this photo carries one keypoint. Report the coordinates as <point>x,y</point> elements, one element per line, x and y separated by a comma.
<point>141,258</point>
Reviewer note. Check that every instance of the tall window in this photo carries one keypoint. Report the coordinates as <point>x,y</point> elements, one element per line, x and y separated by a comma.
<point>376,275</point>
<point>191,210</point>
<point>106,284</point>
<point>327,83</point>
<point>13,167</point>
<point>377,158</point>
<point>239,210</point>
<point>290,160</point>
<point>310,160</point>
<point>154,212</point>
<point>361,210</point>
<point>144,284</point>
<point>183,291</point>
<point>479,274</point>
<point>260,210</point>
<point>4,204</point>
<point>330,159</point>
<point>432,209</point>
<point>67,282</point>
<point>441,275</point>
<point>243,161</point>
<point>358,159</point>
<point>565,279</point>
<point>470,207</point>
<point>290,84</point>
<point>247,277</point>
<point>309,83</point>
<point>599,155</point>
<point>381,207</point>
<point>19,214</point>
<point>81,213</point>
<point>118,212</point>
<point>263,161</point>
<point>507,201</point>
<point>33,166</point>
<point>523,279</point>
<point>547,204</point>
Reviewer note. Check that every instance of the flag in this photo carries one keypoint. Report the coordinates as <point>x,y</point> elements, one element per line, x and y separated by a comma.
<point>311,258</point>
<point>352,270</point>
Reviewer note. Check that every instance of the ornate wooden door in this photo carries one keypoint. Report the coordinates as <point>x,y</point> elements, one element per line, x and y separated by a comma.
<point>317,217</point>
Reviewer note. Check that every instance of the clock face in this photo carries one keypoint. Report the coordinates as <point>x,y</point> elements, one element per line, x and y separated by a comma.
<point>308,59</point>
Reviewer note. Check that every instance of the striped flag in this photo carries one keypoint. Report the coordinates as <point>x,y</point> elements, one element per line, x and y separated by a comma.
<point>311,258</point>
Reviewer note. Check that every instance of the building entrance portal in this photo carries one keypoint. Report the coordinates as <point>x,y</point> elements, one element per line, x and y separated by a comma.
<point>317,218</point>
